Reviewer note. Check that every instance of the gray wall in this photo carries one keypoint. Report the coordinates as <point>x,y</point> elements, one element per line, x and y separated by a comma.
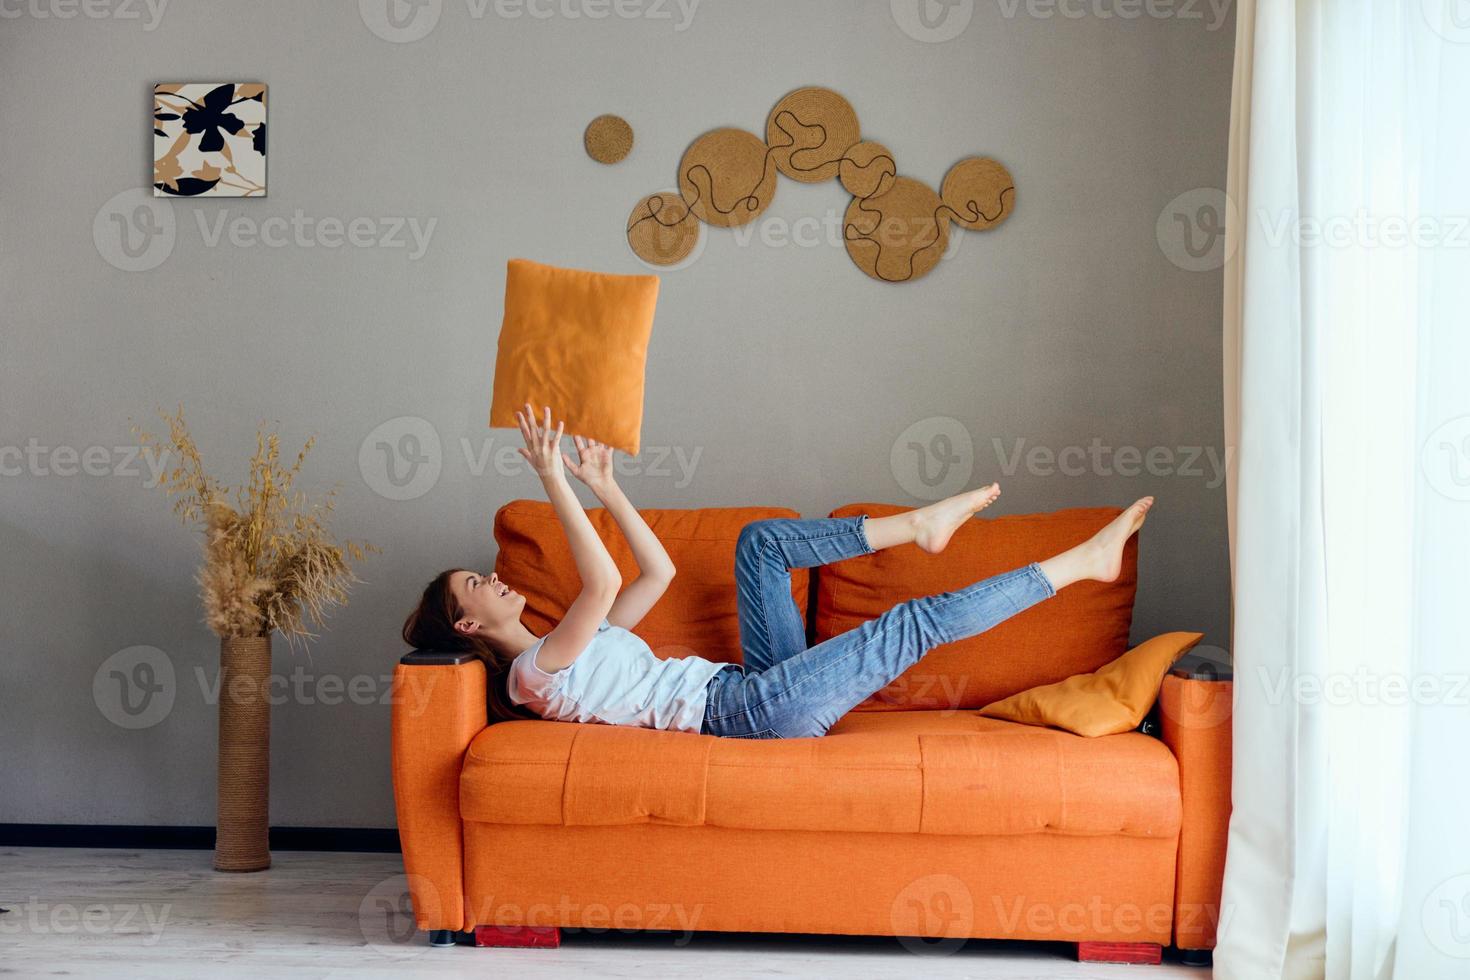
<point>789,372</point>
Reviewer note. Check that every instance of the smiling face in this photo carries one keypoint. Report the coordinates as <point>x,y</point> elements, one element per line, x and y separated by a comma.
<point>486,603</point>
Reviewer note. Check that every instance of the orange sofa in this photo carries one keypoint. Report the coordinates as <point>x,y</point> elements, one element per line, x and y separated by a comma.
<point>913,817</point>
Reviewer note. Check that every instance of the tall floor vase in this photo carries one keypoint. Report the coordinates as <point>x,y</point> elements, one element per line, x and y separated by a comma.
<point>242,828</point>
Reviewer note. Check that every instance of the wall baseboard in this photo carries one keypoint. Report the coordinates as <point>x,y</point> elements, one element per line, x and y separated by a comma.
<point>365,839</point>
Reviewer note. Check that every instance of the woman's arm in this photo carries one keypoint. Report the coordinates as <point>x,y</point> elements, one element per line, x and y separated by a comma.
<point>600,578</point>
<point>655,568</point>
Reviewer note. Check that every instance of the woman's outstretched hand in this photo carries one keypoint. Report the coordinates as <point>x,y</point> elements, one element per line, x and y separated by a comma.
<point>543,443</point>
<point>594,466</point>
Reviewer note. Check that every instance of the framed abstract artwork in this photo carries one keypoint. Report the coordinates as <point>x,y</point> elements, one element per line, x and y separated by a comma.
<point>209,139</point>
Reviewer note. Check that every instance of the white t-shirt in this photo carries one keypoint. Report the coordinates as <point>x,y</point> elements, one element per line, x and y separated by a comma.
<point>616,680</point>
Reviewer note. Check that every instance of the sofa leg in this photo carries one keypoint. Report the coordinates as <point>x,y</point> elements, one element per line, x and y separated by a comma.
<point>547,937</point>
<point>1196,957</point>
<point>1120,953</point>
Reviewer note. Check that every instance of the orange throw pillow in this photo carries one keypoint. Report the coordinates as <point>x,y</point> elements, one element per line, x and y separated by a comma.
<point>1110,700</point>
<point>576,341</point>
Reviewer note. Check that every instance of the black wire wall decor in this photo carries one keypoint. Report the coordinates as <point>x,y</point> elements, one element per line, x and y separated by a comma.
<point>895,229</point>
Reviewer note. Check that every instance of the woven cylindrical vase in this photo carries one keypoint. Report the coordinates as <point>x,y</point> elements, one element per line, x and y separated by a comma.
<point>242,833</point>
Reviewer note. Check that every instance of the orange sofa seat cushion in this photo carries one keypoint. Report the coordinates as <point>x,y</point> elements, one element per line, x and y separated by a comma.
<point>697,615</point>
<point>577,341</point>
<point>1078,630</point>
<point>916,772</point>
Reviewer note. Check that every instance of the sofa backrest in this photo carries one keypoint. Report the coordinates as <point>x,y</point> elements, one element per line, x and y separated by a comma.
<point>1075,632</point>
<point>696,616</point>
<point>1078,631</point>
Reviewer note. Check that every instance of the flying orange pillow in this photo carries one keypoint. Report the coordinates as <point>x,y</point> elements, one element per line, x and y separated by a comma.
<point>1110,700</point>
<point>576,341</point>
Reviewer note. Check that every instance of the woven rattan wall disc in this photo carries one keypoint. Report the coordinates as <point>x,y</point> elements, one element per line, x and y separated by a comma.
<point>608,139</point>
<point>900,234</point>
<point>808,132</point>
<point>661,229</point>
<point>726,177</point>
<point>980,192</point>
<point>867,170</point>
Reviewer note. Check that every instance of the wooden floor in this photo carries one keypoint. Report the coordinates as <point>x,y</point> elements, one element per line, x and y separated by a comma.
<point>159,914</point>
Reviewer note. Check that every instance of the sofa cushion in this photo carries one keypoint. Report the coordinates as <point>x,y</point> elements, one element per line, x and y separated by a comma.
<point>1079,630</point>
<point>696,615</point>
<point>929,772</point>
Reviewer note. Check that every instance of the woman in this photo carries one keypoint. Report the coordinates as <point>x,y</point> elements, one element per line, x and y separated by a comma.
<point>590,668</point>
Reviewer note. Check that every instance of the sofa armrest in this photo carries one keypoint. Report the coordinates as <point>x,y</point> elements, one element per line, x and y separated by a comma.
<point>1194,714</point>
<point>438,709</point>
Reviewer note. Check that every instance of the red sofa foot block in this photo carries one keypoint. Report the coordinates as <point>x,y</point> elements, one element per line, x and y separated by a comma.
<point>1120,953</point>
<point>544,937</point>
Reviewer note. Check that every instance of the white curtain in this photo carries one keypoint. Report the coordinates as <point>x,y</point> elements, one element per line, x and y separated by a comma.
<point>1347,381</point>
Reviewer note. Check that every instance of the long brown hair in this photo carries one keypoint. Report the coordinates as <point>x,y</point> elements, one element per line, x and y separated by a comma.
<point>431,627</point>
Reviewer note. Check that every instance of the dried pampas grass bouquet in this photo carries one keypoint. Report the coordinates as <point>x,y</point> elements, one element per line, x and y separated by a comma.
<point>270,561</point>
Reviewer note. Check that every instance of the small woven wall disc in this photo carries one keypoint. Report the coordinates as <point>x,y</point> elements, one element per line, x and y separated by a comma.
<point>608,139</point>
<point>725,177</point>
<point>980,192</point>
<point>867,170</point>
<point>899,235</point>
<point>808,132</point>
<point>661,229</point>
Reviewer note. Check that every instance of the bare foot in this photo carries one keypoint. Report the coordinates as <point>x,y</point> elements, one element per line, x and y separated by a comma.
<point>937,523</point>
<point>1107,545</point>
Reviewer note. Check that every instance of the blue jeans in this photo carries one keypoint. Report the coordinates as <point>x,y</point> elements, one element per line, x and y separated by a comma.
<point>789,690</point>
